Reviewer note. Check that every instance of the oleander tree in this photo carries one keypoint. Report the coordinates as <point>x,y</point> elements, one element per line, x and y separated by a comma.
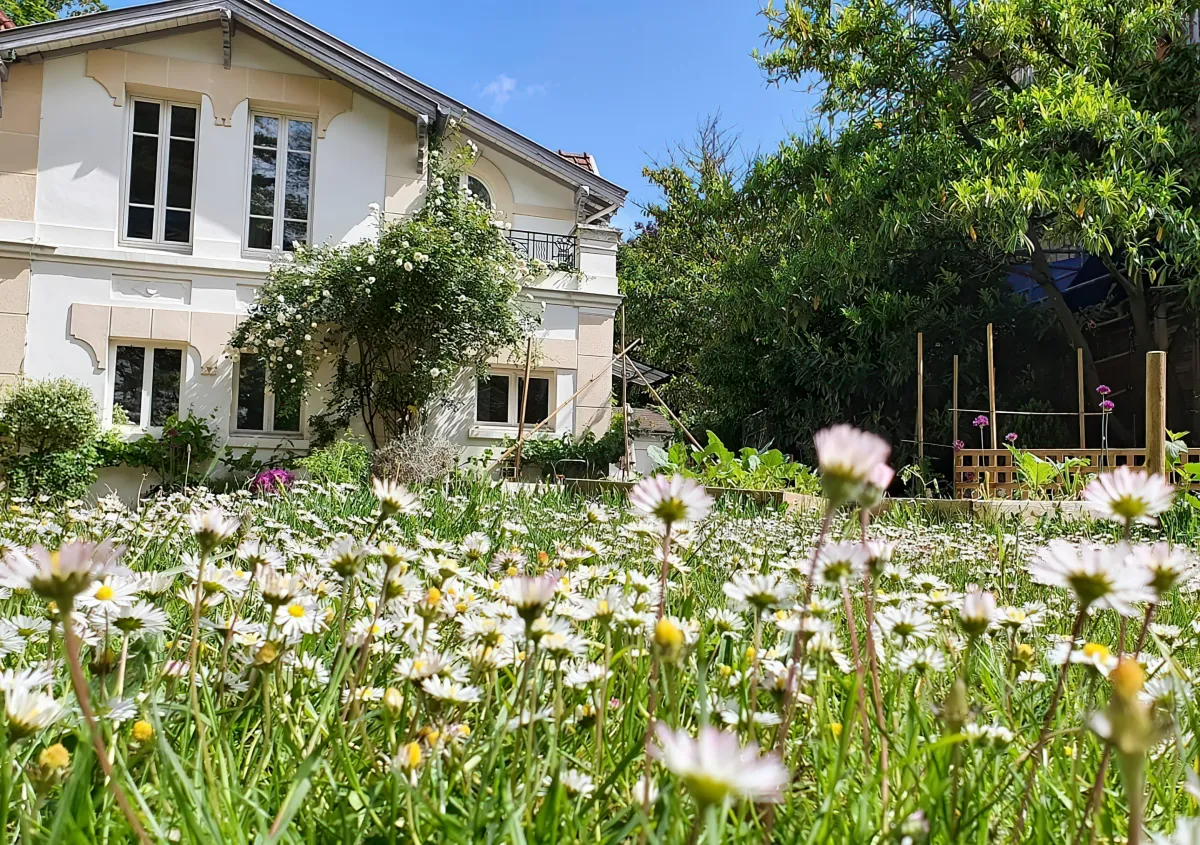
<point>1046,123</point>
<point>396,317</point>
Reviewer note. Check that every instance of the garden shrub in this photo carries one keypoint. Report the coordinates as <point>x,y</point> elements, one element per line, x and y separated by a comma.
<point>596,453</point>
<point>48,439</point>
<point>185,454</point>
<point>415,458</point>
<point>341,462</point>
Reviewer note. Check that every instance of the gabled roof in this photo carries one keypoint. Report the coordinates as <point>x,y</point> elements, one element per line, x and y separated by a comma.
<point>331,55</point>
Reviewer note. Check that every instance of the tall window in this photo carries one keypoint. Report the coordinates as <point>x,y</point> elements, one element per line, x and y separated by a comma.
<point>160,195</point>
<point>146,383</point>
<point>258,409</point>
<point>498,399</point>
<point>280,182</point>
<point>480,191</point>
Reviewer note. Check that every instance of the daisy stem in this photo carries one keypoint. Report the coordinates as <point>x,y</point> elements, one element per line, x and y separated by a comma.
<point>655,670</point>
<point>873,662</point>
<point>1047,721</point>
<point>194,651</point>
<point>859,672</point>
<point>79,684</point>
<point>121,664</point>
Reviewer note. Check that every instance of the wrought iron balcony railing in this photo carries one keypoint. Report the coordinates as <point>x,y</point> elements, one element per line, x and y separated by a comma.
<point>554,250</point>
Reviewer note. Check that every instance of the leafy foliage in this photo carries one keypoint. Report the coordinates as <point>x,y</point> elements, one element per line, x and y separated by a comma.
<point>184,455</point>
<point>48,439</point>
<point>748,469</point>
<point>1036,124</point>
<point>396,316</point>
<point>341,462</point>
<point>25,12</point>
<point>596,453</point>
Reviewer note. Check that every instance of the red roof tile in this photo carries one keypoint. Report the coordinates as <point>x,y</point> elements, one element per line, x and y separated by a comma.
<point>583,160</point>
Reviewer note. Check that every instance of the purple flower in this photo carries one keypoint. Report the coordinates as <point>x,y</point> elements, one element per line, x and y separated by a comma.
<point>1011,437</point>
<point>1104,390</point>
<point>981,421</point>
<point>958,445</point>
<point>272,481</point>
<point>1107,405</point>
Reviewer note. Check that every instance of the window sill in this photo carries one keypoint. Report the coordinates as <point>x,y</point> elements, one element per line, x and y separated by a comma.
<point>498,431</point>
<point>267,440</point>
<point>152,247</point>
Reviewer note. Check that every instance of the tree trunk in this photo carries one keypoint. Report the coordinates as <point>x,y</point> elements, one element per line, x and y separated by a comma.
<point>1066,318</point>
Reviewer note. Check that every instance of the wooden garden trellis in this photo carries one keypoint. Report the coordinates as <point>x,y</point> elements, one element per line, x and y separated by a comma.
<point>985,471</point>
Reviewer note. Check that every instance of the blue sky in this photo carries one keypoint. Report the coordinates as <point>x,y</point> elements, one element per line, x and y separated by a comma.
<point>622,79</point>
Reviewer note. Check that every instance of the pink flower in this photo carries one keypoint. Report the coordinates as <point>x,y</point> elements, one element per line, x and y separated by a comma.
<point>1011,437</point>
<point>980,421</point>
<point>1104,390</point>
<point>958,445</point>
<point>1107,405</point>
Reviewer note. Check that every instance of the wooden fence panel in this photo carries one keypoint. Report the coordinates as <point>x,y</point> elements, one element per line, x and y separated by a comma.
<point>970,465</point>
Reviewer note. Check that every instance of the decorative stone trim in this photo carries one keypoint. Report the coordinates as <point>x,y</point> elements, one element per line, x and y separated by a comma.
<point>117,71</point>
<point>89,325</point>
<point>210,337</point>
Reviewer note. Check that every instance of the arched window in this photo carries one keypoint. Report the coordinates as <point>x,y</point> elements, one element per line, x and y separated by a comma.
<point>480,191</point>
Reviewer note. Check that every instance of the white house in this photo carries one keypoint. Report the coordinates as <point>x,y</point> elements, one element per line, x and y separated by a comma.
<point>155,159</point>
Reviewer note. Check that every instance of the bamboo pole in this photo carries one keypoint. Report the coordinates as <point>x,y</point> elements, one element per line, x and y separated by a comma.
<point>954,401</point>
<point>954,424</point>
<point>991,358</point>
<point>625,397</point>
<point>1156,412</point>
<point>1082,412</point>
<point>665,406</point>
<point>566,402</point>
<point>920,396</point>
<point>524,405</point>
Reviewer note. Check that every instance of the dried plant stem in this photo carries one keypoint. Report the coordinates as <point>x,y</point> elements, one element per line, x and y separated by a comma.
<point>791,688</point>
<point>79,684</point>
<point>1047,720</point>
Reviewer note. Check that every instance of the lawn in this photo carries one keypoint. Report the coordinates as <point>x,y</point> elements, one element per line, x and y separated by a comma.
<point>468,664</point>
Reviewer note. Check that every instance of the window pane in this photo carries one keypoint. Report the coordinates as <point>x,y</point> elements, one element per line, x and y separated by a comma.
<point>252,386</point>
<point>266,131</point>
<point>287,414</point>
<point>177,227</point>
<point>183,122</point>
<point>128,371</point>
<point>300,135</point>
<point>180,168</point>
<point>262,183</point>
<point>164,384</point>
<point>491,402</point>
<point>145,117</point>
<point>537,406</point>
<point>260,233</point>
<point>141,222</point>
<point>296,189</point>
<point>143,170</point>
<point>294,230</point>
<point>479,191</point>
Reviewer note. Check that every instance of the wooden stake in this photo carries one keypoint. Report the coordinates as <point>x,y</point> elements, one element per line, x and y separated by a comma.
<point>954,402</point>
<point>625,397</point>
<point>565,403</point>
<point>524,403</point>
<point>920,396</point>
<point>660,401</point>
<point>1156,413</point>
<point>1079,378</point>
<point>991,385</point>
<point>954,425</point>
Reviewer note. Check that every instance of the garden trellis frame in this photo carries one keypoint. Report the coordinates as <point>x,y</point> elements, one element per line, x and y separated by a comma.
<point>993,461</point>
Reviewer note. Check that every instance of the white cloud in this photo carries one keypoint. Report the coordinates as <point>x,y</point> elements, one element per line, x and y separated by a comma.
<point>504,88</point>
<point>500,90</point>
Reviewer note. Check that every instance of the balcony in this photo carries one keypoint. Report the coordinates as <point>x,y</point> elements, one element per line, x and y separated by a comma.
<point>556,251</point>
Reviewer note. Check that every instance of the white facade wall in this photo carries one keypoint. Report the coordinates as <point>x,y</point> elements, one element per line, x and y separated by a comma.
<point>87,290</point>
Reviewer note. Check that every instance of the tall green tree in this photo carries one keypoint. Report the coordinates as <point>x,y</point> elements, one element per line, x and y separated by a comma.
<point>1046,122</point>
<point>24,12</point>
<point>789,295</point>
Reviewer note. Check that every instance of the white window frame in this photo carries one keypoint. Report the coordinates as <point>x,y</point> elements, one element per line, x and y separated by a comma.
<point>158,241</point>
<point>268,429</point>
<point>147,382</point>
<point>281,155</point>
<point>514,397</point>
